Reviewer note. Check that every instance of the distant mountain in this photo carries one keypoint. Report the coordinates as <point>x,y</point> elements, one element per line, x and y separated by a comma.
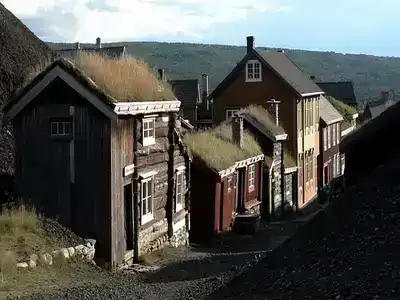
<point>370,74</point>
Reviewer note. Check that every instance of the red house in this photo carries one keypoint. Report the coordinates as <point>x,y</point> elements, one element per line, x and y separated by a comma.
<point>226,176</point>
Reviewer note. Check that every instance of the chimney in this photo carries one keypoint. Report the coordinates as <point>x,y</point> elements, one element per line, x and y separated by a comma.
<point>273,108</point>
<point>280,51</point>
<point>237,130</point>
<point>161,74</point>
<point>98,42</point>
<point>312,77</point>
<point>250,43</point>
<point>77,46</point>
<point>204,94</point>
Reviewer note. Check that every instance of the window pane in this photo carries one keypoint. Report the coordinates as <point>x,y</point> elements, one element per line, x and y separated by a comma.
<point>144,206</point>
<point>60,128</point>
<point>151,124</point>
<point>145,133</point>
<point>145,125</point>
<point>150,187</point>
<point>149,204</point>
<point>144,190</point>
<point>54,128</point>
<point>67,127</point>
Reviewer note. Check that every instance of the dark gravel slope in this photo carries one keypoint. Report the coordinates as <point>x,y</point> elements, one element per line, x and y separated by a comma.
<point>351,251</point>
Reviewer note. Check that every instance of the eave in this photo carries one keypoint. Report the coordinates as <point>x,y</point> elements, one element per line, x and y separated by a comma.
<point>240,164</point>
<point>136,108</point>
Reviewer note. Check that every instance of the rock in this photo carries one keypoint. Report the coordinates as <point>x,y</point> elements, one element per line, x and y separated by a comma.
<point>32,263</point>
<point>22,265</point>
<point>47,259</point>
<point>64,253</point>
<point>85,251</point>
<point>71,251</point>
<point>90,254</point>
<point>79,249</point>
<point>90,242</point>
<point>55,253</point>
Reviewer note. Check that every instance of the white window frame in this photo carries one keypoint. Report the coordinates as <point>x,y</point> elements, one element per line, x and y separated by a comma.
<point>334,135</point>
<point>150,139</point>
<point>252,175</point>
<point>251,75</point>
<point>149,198</point>
<point>60,128</point>
<point>179,191</point>
<point>334,166</point>
<point>338,133</point>
<point>329,136</point>
<point>230,112</point>
<point>325,138</point>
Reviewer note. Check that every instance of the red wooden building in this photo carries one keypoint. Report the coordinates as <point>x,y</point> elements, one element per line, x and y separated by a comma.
<point>226,176</point>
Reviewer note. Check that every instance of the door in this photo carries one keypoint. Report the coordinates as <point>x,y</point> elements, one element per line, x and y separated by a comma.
<point>241,184</point>
<point>128,216</point>
<point>228,197</point>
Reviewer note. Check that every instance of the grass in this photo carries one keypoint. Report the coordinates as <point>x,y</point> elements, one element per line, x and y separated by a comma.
<point>344,109</point>
<point>260,114</point>
<point>126,78</point>
<point>216,149</point>
<point>22,234</point>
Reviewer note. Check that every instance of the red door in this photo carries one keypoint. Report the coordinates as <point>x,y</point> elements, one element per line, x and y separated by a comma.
<point>228,202</point>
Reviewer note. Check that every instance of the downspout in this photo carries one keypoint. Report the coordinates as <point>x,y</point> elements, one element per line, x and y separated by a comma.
<point>135,187</point>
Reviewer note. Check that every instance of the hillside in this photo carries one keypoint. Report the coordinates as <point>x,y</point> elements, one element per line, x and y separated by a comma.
<point>369,73</point>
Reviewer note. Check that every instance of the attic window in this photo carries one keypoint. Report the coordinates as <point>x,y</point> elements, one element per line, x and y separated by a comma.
<point>148,131</point>
<point>229,113</point>
<point>61,128</point>
<point>253,71</point>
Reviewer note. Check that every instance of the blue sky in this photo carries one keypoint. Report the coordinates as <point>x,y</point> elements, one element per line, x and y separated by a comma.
<point>351,26</point>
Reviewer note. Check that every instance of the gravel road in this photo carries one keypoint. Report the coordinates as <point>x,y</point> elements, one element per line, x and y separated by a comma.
<point>350,251</point>
<point>188,274</point>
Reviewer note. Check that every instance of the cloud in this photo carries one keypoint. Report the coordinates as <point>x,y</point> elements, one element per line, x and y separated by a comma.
<point>116,20</point>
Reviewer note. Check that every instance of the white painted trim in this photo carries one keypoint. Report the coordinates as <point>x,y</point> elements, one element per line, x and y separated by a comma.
<point>234,110</point>
<point>71,81</point>
<point>333,121</point>
<point>135,108</point>
<point>129,169</point>
<point>312,94</point>
<point>147,174</point>
<point>180,168</point>
<point>355,116</point>
<point>290,170</point>
<point>147,217</point>
<point>240,164</point>
<point>150,140</point>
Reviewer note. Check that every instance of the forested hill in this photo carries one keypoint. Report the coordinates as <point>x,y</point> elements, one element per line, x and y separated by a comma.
<point>370,74</point>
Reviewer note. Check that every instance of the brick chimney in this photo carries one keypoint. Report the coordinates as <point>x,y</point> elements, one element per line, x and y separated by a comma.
<point>77,46</point>
<point>312,77</point>
<point>161,74</point>
<point>281,51</point>
<point>98,42</point>
<point>204,87</point>
<point>273,108</point>
<point>250,43</point>
<point>237,130</point>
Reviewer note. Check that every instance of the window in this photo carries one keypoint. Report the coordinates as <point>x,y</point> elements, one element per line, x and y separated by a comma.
<point>253,71</point>
<point>325,130</point>
<point>338,171</point>
<point>62,128</point>
<point>229,113</point>
<point>299,117</point>
<point>334,135</point>
<point>338,133</point>
<point>146,199</point>
<point>180,193</point>
<point>252,171</point>
<point>334,166</point>
<point>328,128</point>
<point>300,164</point>
<point>149,133</point>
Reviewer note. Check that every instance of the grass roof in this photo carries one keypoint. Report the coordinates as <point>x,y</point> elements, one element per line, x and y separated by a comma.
<point>347,111</point>
<point>261,115</point>
<point>124,79</point>
<point>216,149</point>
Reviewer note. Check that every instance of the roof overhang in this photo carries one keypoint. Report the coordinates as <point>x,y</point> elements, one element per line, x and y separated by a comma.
<point>31,94</point>
<point>312,94</point>
<point>270,135</point>
<point>332,121</point>
<point>347,131</point>
<point>136,108</point>
<point>240,164</point>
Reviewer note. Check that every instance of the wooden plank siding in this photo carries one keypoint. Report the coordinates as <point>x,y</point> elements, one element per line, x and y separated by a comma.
<point>78,197</point>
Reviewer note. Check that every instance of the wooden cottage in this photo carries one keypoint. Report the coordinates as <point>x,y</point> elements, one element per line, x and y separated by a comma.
<point>329,161</point>
<point>103,155</point>
<point>226,176</point>
<point>278,185</point>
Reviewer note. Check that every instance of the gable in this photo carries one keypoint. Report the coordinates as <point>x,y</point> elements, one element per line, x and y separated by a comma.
<point>29,93</point>
<point>186,90</point>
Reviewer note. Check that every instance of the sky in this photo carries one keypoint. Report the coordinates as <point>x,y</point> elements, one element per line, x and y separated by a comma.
<point>346,26</point>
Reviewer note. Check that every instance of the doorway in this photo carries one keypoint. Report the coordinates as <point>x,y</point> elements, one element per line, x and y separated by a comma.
<point>241,189</point>
<point>326,175</point>
<point>128,216</point>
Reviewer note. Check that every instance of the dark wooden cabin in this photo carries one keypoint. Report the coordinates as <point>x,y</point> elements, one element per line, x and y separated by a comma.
<point>371,145</point>
<point>329,160</point>
<point>226,178</point>
<point>114,171</point>
<point>278,186</point>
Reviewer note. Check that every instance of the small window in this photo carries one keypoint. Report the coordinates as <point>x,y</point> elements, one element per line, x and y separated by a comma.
<point>334,135</point>
<point>253,71</point>
<point>146,199</point>
<point>61,128</point>
<point>329,136</point>
<point>252,171</point>
<point>180,193</point>
<point>229,113</point>
<point>338,133</point>
<point>148,131</point>
<point>325,130</point>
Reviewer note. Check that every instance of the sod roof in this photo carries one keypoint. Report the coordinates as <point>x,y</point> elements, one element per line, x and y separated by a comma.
<point>20,50</point>
<point>216,148</point>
